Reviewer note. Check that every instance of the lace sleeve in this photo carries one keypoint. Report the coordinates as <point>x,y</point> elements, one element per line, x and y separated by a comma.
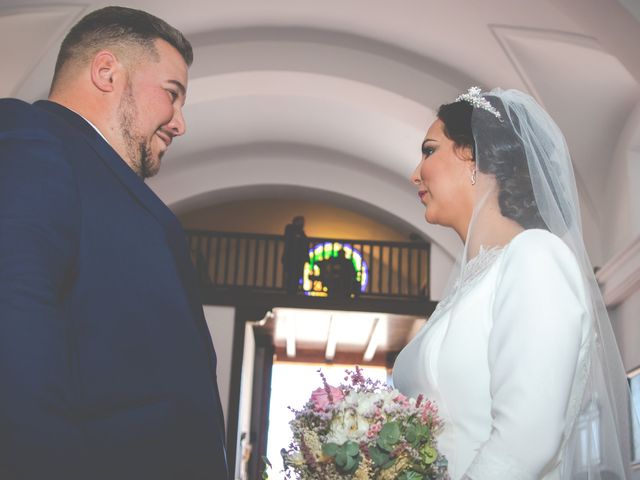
<point>534,345</point>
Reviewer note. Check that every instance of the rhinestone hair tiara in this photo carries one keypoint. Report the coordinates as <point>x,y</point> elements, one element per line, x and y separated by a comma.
<point>478,101</point>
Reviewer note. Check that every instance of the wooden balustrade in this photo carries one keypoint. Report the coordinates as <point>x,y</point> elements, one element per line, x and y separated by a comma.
<point>254,261</point>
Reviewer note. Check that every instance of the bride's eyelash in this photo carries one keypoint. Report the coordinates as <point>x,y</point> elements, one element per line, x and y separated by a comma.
<point>427,151</point>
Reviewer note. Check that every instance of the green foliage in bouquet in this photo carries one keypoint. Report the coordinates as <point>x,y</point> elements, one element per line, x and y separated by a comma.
<point>364,430</point>
<point>389,436</point>
<point>381,452</point>
<point>347,455</point>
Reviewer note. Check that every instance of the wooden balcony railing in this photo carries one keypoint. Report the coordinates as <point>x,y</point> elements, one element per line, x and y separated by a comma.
<point>227,260</point>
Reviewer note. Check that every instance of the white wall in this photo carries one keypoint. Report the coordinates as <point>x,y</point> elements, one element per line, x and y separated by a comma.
<point>621,207</point>
<point>620,241</point>
<point>626,325</point>
<point>220,321</point>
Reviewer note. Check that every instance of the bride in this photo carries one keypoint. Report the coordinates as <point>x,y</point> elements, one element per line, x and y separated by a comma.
<point>519,355</point>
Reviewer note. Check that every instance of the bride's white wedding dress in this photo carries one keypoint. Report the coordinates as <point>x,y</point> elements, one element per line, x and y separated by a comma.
<point>505,359</point>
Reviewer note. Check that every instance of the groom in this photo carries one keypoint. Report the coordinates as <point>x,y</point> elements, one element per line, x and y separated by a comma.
<point>107,370</point>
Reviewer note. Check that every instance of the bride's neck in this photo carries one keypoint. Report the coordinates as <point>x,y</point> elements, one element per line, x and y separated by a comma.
<point>489,229</point>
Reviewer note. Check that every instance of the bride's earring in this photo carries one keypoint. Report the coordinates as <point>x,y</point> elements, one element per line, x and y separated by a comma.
<point>473,177</point>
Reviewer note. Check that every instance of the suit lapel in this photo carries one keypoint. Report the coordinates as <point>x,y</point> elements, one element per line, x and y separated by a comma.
<point>147,199</point>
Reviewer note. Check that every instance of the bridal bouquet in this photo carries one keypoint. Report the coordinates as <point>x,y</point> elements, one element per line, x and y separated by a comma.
<point>364,430</point>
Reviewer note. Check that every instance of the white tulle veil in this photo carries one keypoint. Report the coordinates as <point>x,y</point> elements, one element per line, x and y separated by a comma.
<point>596,443</point>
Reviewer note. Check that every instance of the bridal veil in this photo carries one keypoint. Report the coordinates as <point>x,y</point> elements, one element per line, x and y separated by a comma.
<point>536,186</point>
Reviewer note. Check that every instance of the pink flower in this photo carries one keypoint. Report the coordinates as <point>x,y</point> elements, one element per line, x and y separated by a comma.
<point>374,430</point>
<point>429,411</point>
<point>324,396</point>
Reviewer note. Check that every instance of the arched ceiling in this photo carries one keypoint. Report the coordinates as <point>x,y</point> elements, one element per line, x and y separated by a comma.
<point>334,96</point>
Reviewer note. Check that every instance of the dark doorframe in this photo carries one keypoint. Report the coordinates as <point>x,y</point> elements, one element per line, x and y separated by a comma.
<point>260,402</point>
<point>243,315</point>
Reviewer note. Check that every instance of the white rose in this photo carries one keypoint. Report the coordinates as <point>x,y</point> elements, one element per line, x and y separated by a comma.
<point>348,425</point>
<point>367,405</point>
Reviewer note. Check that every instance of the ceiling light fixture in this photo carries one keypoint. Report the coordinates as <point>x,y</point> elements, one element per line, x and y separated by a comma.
<point>332,341</point>
<point>290,328</point>
<point>374,340</point>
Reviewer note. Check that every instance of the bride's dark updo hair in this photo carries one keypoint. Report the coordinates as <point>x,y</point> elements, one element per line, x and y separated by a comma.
<point>503,157</point>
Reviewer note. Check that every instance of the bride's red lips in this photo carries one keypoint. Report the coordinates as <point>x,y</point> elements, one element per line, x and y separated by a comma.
<point>421,194</point>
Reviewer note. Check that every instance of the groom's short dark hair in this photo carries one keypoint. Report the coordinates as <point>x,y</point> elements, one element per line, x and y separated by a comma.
<point>120,28</point>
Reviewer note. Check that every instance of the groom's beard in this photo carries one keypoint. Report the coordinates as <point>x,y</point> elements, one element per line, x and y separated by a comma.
<point>138,149</point>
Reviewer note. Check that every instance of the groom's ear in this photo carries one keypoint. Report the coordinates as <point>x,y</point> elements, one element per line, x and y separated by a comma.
<point>105,69</point>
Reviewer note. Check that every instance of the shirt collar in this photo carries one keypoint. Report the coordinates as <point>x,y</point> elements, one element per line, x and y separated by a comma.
<point>90,123</point>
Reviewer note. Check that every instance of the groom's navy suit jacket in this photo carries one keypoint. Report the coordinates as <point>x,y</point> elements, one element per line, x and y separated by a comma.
<point>107,370</point>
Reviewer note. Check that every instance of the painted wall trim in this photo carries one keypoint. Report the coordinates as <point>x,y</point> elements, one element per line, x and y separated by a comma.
<point>619,278</point>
